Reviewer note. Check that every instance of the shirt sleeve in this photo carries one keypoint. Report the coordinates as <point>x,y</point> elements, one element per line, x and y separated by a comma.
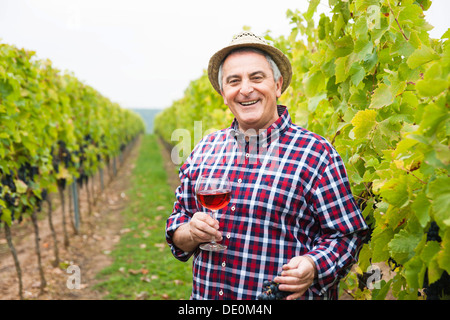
<point>341,222</point>
<point>183,210</point>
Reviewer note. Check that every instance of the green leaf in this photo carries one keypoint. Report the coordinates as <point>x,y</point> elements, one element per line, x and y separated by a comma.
<point>365,255</point>
<point>434,272</point>
<point>379,243</point>
<point>341,69</point>
<point>432,87</point>
<point>311,9</point>
<point>421,56</point>
<point>430,252</point>
<point>421,207</point>
<point>396,191</point>
<point>382,96</point>
<point>380,294</point>
<point>432,118</point>
<point>444,255</point>
<point>403,244</point>
<point>20,186</point>
<point>6,216</point>
<point>344,46</point>
<point>314,84</point>
<point>358,99</point>
<point>364,122</point>
<point>439,193</point>
<point>313,102</point>
<point>414,271</point>
<point>358,75</point>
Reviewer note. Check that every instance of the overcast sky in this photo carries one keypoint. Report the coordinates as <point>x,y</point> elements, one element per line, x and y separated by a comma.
<point>144,53</point>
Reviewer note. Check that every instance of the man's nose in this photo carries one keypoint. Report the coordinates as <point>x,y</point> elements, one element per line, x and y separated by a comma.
<point>246,88</point>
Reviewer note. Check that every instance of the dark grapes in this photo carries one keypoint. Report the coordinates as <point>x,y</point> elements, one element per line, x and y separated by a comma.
<point>433,232</point>
<point>271,291</point>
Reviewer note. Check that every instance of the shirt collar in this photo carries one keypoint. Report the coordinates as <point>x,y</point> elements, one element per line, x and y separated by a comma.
<point>277,128</point>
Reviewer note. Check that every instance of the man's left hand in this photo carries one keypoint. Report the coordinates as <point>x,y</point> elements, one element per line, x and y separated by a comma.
<point>297,276</point>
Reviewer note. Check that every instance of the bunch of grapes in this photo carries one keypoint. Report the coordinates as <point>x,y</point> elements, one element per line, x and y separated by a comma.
<point>271,291</point>
<point>441,287</point>
<point>433,232</point>
<point>61,155</point>
<point>9,197</point>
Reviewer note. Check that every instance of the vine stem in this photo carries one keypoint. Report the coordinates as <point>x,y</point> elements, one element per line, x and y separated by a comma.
<point>63,211</point>
<point>420,180</point>
<point>398,23</point>
<point>55,263</point>
<point>16,259</point>
<point>38,250</point>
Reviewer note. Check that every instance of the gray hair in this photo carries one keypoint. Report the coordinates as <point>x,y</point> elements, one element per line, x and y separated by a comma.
<point>273,65</point>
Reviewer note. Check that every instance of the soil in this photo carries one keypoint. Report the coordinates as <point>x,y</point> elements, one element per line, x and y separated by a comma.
<point>89,249</point>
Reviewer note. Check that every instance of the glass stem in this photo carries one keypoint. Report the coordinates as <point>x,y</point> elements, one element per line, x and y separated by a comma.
<point>214,215</point>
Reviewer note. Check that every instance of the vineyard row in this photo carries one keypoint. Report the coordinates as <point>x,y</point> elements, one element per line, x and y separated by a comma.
<point>55,131</point>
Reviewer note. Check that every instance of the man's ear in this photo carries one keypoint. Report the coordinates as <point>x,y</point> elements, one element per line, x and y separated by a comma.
<point>279,85</point>
<point>225,101</point>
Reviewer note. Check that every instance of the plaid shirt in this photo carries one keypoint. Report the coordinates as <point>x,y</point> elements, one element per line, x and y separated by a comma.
<point>290,197</point>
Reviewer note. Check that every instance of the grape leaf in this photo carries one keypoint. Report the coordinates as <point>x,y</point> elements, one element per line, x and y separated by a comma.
<point>444,255</point>
<point>421,56</point>
<point>431,87</point>
<point>381,97</point>
<point>403,244</point>
<point>429,252</point>
<point>396,191</point>
<point>421,207</point>
<point>439,193</point>
<point>363,122</point>
<point>21,186</point>
<point>414,270</point>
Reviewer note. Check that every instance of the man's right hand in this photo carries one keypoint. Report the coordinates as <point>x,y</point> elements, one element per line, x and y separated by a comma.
<point>204,228</point>
<point>201,228</point>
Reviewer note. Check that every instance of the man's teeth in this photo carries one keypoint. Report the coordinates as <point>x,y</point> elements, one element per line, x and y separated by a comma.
<point>249,102</point>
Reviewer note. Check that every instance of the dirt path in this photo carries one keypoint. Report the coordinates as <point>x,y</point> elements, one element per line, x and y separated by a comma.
<point>88,250</point>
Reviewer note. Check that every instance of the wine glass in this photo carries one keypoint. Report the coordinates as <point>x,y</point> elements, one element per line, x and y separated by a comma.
<point>213,191</point>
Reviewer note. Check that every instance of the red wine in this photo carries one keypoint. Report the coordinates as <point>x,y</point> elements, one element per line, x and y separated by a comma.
<point>214,199</point>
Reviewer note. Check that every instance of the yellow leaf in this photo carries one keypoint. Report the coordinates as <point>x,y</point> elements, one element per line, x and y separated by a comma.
<point>21,186</point>
<point>363,122</point>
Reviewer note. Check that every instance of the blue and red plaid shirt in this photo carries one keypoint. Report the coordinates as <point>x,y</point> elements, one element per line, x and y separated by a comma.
<point>290,197</point>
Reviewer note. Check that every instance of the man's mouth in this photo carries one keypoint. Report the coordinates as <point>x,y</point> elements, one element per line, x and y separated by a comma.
<point>248,103</point>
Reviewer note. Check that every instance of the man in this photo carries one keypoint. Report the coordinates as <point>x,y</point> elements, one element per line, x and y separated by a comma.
<point>292,217</point>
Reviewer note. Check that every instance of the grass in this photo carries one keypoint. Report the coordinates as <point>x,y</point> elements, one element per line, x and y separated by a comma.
<point>143,266</point>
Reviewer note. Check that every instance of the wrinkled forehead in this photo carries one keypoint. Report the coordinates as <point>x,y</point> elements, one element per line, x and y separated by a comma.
<point>245,61</point>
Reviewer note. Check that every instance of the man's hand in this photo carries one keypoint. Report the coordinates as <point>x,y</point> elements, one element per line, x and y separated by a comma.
<point>297,276</point>
<point>201,228</point>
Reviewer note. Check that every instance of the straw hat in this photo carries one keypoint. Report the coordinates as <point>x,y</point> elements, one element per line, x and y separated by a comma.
<point>249,40</point>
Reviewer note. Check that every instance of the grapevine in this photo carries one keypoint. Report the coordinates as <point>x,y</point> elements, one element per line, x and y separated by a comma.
<point>369,79</point>
<point>54,129</point>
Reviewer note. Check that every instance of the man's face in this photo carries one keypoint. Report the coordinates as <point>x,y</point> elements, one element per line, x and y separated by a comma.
<point>250,91</point>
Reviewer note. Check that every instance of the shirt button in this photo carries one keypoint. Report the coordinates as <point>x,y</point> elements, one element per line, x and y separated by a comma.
<point>239,180</point>
<point>220,293</point>
<point>228,236</point>
<point>233,208</point>
<point>247,155</point>
<point>224,264</point>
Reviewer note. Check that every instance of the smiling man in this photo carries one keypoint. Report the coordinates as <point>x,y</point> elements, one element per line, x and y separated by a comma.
<point>295,222</point>
<point>250,89</point>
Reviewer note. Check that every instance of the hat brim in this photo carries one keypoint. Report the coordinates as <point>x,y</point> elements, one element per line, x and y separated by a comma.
<point>283,63</point>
